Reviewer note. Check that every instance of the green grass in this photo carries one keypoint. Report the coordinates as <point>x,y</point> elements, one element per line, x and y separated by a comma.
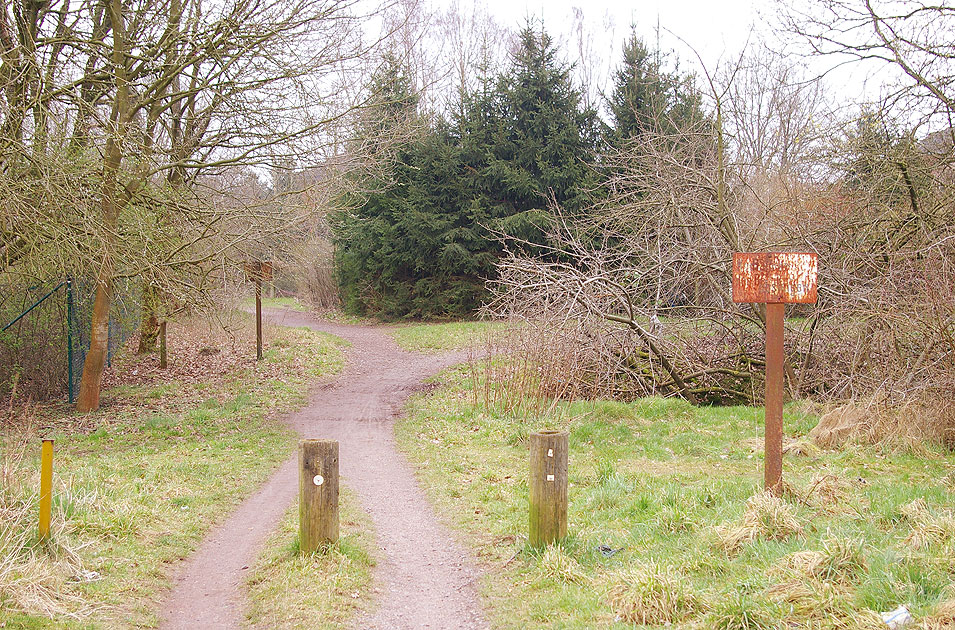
<point>284,302</point>
<point>322,590</point>
<point>157,468</point>
<point>670,484</point>
<point>291,303</point>
<point>443,337</point>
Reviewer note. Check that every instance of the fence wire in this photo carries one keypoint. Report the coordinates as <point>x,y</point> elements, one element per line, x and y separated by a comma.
<point>43,352</point>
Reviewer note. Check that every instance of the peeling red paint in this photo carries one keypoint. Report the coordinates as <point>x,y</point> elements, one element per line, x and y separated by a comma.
<point>775,278</point>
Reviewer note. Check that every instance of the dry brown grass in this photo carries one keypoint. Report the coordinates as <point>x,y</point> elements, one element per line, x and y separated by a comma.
<point>34,577</point>
<point>909,425</point>
<point>840,561</point>
<point>942,618</point>
<point>813,603</point>
<point>792,447</point>
<point>930,528</point>
<point>829,494</point>
<point>650,594</point>
<point>767,517</point>
<point>512,372</point>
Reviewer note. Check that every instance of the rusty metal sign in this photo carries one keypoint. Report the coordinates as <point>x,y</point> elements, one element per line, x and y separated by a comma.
<point>258,270</point>
<point>775,278</point>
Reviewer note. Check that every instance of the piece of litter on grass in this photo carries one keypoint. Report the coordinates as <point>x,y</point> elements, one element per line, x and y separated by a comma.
<point>607,551</point>
<point>898,618</point>
<point>86,576</point>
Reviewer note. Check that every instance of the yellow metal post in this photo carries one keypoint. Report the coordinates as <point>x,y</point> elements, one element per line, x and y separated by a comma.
<point>46,488</point>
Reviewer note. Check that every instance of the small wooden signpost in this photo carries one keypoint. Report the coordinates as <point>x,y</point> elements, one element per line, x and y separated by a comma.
<point>774,279</point>
<point>257,271</point>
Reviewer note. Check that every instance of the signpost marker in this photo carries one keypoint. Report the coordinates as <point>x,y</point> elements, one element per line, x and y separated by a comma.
<point>46,489</point>
<point>774,279</point>
<point>257,271</point>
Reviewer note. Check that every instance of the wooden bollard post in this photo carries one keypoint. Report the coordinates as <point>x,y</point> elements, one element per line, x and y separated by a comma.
<point>162,345</point>
<point>46,489</point>
<point>548,487</point>
<point>258,318</point>
<point>318,493</point>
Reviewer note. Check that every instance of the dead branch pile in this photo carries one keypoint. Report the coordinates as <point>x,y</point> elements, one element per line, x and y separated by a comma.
<point>639,289</point>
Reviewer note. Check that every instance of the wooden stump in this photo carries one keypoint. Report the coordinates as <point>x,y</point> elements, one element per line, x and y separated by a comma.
<point>318,493</point>
<point>548,487</point>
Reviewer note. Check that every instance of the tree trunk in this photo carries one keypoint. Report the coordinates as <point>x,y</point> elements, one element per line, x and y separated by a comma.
<point>88,400</point>
<point>110,205</point>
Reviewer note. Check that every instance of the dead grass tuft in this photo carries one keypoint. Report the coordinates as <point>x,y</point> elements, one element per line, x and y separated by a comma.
<point>791,447</point>
<point>767,517</point>
<point>34,578</point>
<point>929,528</point>
<point>558,565</point>
<point>942,618</point>
<point>910,425</point>
<point>649,594</point>
<point>800,448</point>
<point>812,603</point>
<point>840,561</point>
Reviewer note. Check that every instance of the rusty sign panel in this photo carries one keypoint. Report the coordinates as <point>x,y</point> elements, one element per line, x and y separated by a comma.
<point>775,278</point>
<point>258,270</point>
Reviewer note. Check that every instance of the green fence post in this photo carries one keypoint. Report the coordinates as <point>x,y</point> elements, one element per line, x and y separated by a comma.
<point>69,339</point>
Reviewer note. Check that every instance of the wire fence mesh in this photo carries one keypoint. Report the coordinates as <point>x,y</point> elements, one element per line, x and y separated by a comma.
<point>46,334</point>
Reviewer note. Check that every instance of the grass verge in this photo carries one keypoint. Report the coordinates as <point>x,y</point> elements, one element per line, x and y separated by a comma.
<point>137,484</point>
<point>291,303</point>
<point>322,590</point>
<point>676,490</point>
<point>443,337</point>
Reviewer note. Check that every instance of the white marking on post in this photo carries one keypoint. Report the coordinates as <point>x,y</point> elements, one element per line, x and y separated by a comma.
<point>550,452</point>
<point>550,477</point>
<point>318,480</point>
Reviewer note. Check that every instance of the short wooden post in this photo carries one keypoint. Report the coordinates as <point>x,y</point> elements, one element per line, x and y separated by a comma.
<point>162,345</point>
<point>548,487</point>
<point>318,493</point>
<point>46,489</point>
<point>258,317</point>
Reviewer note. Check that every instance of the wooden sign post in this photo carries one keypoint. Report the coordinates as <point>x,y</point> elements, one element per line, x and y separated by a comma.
<point>258,271</point>
<point>774,279</point>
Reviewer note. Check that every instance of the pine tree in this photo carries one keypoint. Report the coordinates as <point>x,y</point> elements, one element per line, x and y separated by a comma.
<point>649,98</point>
<point>423,242</point>
<point>546,142</point>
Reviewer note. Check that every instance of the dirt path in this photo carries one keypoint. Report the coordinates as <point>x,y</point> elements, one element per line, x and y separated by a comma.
<point>425,578</point>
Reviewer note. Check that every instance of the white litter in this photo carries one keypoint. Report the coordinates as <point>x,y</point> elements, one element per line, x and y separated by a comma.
<point>898,618</point>
<point>86,576</point>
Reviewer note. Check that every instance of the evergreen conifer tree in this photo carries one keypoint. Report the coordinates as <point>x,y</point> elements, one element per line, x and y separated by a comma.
<point>647,97</point>
<point>422,240</point>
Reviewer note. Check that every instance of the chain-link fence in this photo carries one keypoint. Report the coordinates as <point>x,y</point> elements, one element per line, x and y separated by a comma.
<point>45,334</point>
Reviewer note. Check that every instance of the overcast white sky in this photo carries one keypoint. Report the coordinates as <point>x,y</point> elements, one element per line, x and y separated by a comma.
<point>717,30</point>
<point>712,27</point>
